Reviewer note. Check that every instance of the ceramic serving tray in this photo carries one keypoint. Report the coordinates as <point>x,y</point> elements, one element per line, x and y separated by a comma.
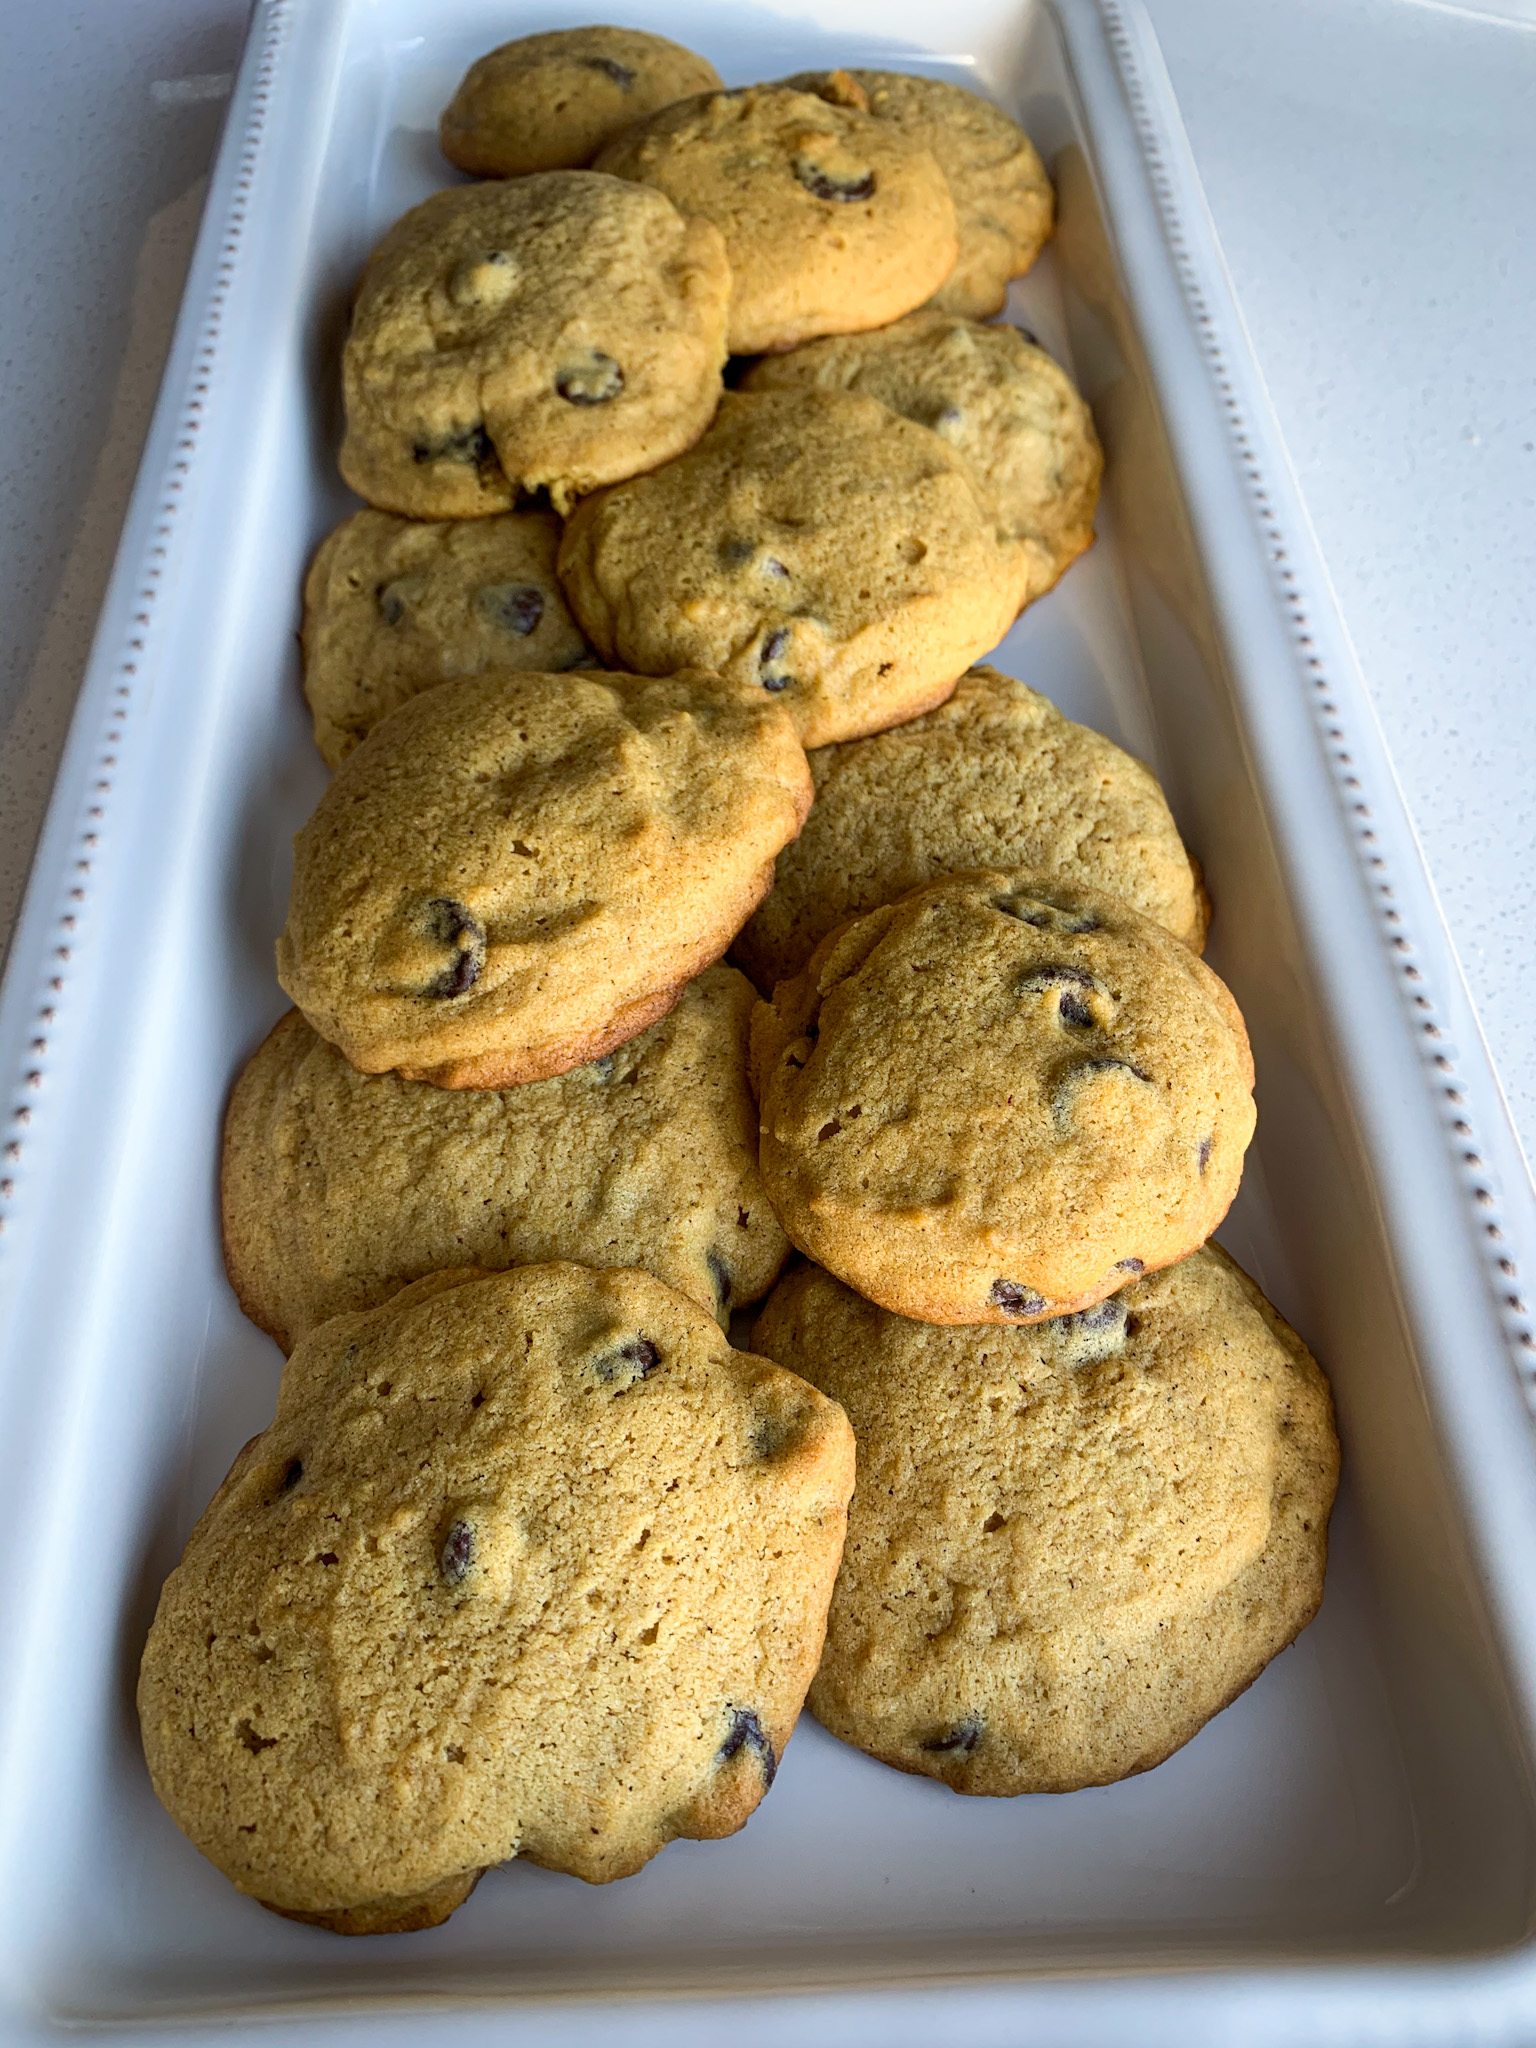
<point>1348,1853</point>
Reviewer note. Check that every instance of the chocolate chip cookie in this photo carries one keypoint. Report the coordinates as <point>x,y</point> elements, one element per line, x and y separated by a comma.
<point>553,332</point>
<point>1003,199</point>
<point>814,545</point>
<point>392,606</point>
<point>528,1564</point>
<point>999,400</point>
<point>1071,1544</point>
<point>994,778</point>
<point>833,221</point>
<point>550,102</point>
<point>339,1187</point>
<point>1000,1098</point>
<point>513,874</point>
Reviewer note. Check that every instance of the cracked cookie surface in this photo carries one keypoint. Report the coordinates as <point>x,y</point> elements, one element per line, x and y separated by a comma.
<point>341,1187</point>
<point>393,606</point>
<point>528,1564</point>
<point>1073,1543</point>
<point>813,545</point>
<point>999,1098</point>
<point>554,332</point>
<point>1004,205</point>
<point>515,873</point>
<point>995,396</point>
<point>997,777</point>
<point>550,102</point>
<point>833,221</point>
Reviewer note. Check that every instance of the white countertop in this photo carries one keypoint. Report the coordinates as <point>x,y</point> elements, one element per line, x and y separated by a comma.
<point>1370,165</point>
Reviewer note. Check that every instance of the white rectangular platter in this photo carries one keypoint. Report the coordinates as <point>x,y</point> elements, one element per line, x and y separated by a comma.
<point>1349,1852</point>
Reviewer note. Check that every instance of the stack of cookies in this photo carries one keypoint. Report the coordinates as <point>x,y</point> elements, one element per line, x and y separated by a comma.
<point>532,1561</point>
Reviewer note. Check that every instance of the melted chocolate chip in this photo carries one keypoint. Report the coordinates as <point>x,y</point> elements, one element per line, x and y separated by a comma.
<point>1015,1300</point>
<point>769,660</point>
<point>635,1359</point>
<point>720,1274</point>
<point>746,1732</point>
<point>1045,915</point>
<point>1092,1334</point>
<point>610,67</point>
<point>1103,1066</point>
<point>957,1741</point>
<point>1065,982</point>
<point>450,924</point>
<point>847,187</point>
<point>592,380</point>
<point>1130,1266</point>
<point>457,1553</point>
<point>518,607</point>
<point>472,444</point>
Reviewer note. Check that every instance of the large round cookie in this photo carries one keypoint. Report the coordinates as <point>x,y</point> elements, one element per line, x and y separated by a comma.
<point>392,606</point>
<point>1004,205</point>
<point>994,778</point>
<point>339,1187</point>
<point>998,1098</point>
<point>553,332</point>
<point>1071,1544</point>
<point>999,400</point>
<point>531,1564</point>
<point>550,102</point>
<point>814,545</point>
<point>833,221</point>
<point>513,874</point>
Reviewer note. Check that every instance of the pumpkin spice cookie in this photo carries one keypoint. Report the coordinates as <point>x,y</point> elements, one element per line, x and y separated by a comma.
<point>814,545</point>
<point>833,221</point>
<point>393,606</point>
<point>554,332</point>
<point>1003,200</point>
<point>513,874</point>
<point>550,102</point>
<point>340,1187</point>
<point>528,1564</point>
<point>994,778</point>
<point>999,1098</point>
<point>1071,1544</point>
<point>999,400</point>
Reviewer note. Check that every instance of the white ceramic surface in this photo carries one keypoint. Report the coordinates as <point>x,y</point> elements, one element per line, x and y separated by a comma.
<point>1370,1798</point>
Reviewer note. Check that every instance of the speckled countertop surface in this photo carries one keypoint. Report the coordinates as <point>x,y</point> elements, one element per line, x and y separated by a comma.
<point>1369,164</point>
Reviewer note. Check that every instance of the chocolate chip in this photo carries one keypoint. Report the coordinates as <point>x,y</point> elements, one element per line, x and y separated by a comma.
<point>772,566</point>
<point>1092,1334</point>
<point>457,1553</point>
<point>957,1741</point>
<point>602,1069</point>
<point>622,1365</point>
<point>720,1274</point>
<point>391,604</point>
<point>621,74</point>
<point>1045,915</point>
<point>450,924</point>
<point>1028,333</point>
<point>254,1743</point>
<point>774,675</point>
<point>471,444</point>
<point>1065,983</point>
<point>734,553</point>
<point>518,607</point>
<point>746,1732</point>
<point>591,380</point>
<point>1102,1066</point>
<point>1130,1266</point>
<point>941,416</point>
<point>1073,1010</point>
<point>1015,1300</point>
<point>847,187</point>
<point>1206,1146</point>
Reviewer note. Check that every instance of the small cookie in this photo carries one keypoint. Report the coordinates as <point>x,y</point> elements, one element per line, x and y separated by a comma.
<point>815,545</point>
<point>513,874</point>
<point>999,1097</point>
<point>528,1564</point>
<point>550,102</point>
<point>1003,199</point>
<point>998,399</point>
<point>994,778</point>
<point>1071,1544</point>
<point>553,332</point>
<point>833,221</point>
<point>340,1187</point>
<point>392,606</point>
